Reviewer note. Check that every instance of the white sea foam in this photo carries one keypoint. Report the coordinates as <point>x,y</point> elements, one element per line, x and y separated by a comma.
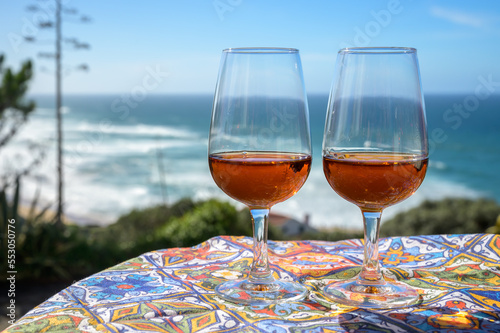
<point>437,165</point>
<point>87,198</point>
<point>137,130</point>
<point>90,148</point>
<point>51,111</point>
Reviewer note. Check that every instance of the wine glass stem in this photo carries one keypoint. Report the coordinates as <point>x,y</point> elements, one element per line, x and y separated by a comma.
<point>370,272</point>
<point>260,272</point>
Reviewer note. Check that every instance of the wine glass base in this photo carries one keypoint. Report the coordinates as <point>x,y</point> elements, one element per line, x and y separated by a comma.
<point>246,292</point>
<point>387,295</point>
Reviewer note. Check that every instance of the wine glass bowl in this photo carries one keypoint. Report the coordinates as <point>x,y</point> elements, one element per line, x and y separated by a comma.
<point>263,179</point>
<point>373,180</point>
<point>375,155</point>
<point>260,153</point>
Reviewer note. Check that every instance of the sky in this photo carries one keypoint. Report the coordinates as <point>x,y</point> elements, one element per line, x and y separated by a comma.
<point>175,46</point>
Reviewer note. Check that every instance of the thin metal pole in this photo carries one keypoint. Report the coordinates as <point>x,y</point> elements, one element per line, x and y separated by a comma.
<point>59,116</point>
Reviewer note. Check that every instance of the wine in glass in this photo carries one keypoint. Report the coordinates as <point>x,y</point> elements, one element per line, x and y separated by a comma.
<point>375,155</point>
<point>260,152</point>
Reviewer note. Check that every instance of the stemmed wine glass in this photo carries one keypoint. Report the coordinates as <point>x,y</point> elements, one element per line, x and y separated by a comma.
<point>375,155</point>
<point>260,152</point>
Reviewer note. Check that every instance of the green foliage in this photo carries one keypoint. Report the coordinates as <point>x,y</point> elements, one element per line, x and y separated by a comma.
<point>448,216</point>
<point>496,228</point>
<point>135,231</point>
<point>208,219</point>
<point>12,90</point>
<point>9,212</point>
<point>42,251</point>
<point>45,252</point>
<point>14,111</point>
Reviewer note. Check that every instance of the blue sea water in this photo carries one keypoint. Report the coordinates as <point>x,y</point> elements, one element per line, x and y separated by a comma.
<point>121,154</point>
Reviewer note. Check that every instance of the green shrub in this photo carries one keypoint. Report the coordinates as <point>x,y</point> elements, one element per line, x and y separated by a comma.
<point>207,219</point>
<point>448,216</point>
<point>134,233</point>
<point>47,252</point>
<point>495,229</point>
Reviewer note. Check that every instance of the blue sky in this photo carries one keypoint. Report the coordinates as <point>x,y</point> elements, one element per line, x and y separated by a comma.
<point>175,46</point>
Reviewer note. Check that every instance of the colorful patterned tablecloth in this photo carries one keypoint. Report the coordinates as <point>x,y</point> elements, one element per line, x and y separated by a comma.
<point>172,290</point>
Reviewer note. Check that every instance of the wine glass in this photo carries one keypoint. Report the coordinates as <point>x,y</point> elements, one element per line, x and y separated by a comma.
<point>260,152</point>
<point>375,155</point>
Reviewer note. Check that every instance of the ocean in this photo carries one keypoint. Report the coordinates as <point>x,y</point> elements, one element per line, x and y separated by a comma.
<point>122,153</point>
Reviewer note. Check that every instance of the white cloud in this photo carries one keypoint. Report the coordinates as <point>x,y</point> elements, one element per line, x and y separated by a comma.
<point>459,17</point>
